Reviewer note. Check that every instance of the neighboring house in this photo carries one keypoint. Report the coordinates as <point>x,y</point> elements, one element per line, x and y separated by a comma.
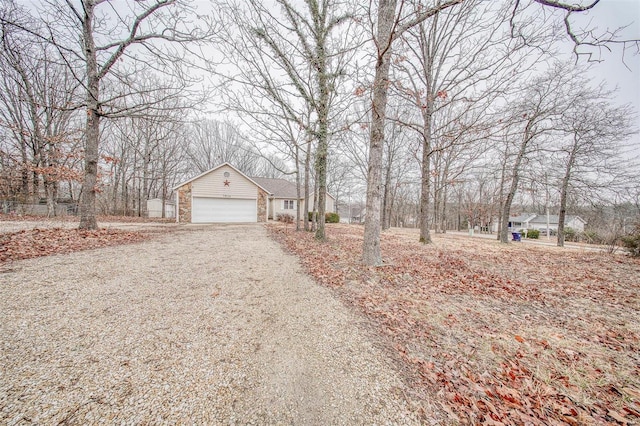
<point>283,198</point>
<point>574,222</point>
<point>539,221</point>
<point>221,195</point>
<point>154,208</point>
<point>521,221</point>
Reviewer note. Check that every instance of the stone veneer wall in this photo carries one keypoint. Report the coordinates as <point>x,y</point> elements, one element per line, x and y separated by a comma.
<point>262,205</point>
<point>184,200</point>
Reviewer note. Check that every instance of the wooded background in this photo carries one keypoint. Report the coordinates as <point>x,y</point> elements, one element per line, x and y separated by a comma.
<point>440,115</point>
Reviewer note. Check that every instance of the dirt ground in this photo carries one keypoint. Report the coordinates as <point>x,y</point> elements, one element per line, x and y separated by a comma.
<point>200,325</point>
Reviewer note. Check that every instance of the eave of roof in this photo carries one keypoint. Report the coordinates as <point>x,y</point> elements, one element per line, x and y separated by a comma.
<point>216,168</point>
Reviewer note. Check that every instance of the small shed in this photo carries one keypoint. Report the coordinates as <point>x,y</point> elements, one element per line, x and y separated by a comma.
<point>221,195</point>
<point>154,208</point>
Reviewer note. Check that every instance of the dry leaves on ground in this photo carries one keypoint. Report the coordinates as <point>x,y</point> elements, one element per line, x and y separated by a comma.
<point>69,218</point>
<point>37,242</point>
<point>496,334</point>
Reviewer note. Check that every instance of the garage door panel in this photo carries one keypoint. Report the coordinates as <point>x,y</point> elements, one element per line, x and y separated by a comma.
<point>223,210</point>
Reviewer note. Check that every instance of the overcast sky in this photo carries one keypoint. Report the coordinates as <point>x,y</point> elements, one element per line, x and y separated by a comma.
<point>618,70</point>
<point>613,14</point>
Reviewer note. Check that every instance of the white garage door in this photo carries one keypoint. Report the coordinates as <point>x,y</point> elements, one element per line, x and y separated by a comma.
<point>221,210</point>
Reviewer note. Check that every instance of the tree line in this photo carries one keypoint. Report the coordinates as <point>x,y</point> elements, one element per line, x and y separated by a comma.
<point>440,113</point>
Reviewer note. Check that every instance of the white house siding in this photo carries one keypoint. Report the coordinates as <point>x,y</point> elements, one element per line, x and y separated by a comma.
<point>212,185</point>
<point>278,206</point>
<point>576,225</point>
<point>330,205</point>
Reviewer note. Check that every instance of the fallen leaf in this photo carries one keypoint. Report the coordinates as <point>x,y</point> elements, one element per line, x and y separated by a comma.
<point>617,417</point>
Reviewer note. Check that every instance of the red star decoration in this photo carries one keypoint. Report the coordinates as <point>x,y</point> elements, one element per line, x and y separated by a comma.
<point>226,183</point>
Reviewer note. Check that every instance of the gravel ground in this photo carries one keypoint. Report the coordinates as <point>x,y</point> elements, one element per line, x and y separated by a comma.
<point>161,333</point>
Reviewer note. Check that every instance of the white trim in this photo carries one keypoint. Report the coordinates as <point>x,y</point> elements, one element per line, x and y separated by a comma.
<point>177,206</point>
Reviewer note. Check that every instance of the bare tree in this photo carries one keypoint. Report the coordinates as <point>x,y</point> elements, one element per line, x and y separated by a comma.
<point>302,46</point>
<point>115,44</point>
<point>36,107</point>
<point>390,25</point>
<point>452,69</point>
<point>587,42</point>
<point>595,129</point>
<point>533,118</point>
<point>214,142</point>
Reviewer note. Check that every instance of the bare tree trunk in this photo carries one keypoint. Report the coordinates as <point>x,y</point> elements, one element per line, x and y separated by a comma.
<point>51,192</point>
<point>506,207</point>
<point>443,226</point>
<point>322,109</point>
<point>386,202</point>
<point>24,174</point>
<point>425,189</point>
<point>298,185</point>
<point>503,175</point>
<point>314,215</point>
<point>564,189</point>
<point>307,177</point>
<point>164,195</point>
<point>323,145</point>
<point>89,184</point>
<point>125,195</point>
<point>371,254</point>
<point>146,161</point>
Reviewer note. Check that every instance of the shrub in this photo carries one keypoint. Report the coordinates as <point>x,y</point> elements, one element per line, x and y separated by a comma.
<point>284,217</point>
<point>632,242</point>
<point>534,234</point>
<point>331,218</point>
<point>592,237</point>
<point>328,217</point>
<point>570,234</point>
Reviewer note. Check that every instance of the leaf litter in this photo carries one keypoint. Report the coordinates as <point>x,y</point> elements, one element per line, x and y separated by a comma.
<point>30,243</point>
<point>495,334</point>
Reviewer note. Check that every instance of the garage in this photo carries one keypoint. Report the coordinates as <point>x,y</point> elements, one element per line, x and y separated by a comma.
<point>224,210</point>
<point>221,195</point>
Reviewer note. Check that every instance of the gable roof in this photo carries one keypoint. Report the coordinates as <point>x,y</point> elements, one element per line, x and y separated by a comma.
<point>216,168</point>
<point>554,219</point>
<point>279,188</point>
<point>542,218</point>
<point>524,217</point>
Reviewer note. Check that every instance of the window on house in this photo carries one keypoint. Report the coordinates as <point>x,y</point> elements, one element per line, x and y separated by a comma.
<point>289,204</point>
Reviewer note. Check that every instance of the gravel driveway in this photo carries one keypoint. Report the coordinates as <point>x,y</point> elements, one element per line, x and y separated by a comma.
<point>202,325</point>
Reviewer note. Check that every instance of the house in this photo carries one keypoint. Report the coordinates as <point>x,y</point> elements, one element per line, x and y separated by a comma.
<point>283,198</point>
<point>221,195</point>
<point>521,221</point>
<point>539,222</point>
<point>574,222</point>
